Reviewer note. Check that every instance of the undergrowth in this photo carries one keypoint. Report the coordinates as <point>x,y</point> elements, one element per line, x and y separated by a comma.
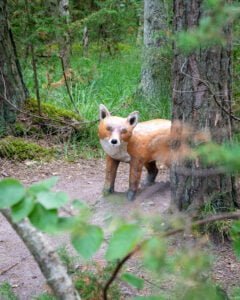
<point>21,149</point>
<point>89,278</point>
<point>98,78</point>
<point>6,292</point>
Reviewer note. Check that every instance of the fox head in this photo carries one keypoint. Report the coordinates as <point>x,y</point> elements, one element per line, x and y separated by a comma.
<point>115,130</point>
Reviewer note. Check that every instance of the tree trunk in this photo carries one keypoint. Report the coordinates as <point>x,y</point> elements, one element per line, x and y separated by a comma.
<point>12,88</point>
<point>64,40</point>
<point>200,80</point>
<point>155,23</point>
<point>47,259</point>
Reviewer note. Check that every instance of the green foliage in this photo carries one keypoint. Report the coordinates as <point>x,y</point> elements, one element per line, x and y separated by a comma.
<point>51,112</point>
<point>133,280</point>
<point>211,27</point>
<point>67,260</point>
<point>45,296</point>
<point>235,295</point>
<point>149,298</point>
<point>87,239</point>
<point>91,279</point>
<point>188,265</point>
<point>12,191</point>
<point>6,292</point>
<point>22,209</point>
<point>123,241</point>
<point>227,156</point>
<point>219,230</point>
<point>235,234</point>
<point>20,149</point>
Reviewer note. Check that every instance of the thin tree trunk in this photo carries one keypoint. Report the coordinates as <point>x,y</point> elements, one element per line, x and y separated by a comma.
<point>13,91</point>
<point>199,80</point>
<point>155,24</point>
<point>48,261</point>
<point>64,40</point>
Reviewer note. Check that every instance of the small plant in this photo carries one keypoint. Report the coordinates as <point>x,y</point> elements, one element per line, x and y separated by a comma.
<point>91,279</point>
<point>66,259</point>
<point>45,296</point>
<point>6,292</point>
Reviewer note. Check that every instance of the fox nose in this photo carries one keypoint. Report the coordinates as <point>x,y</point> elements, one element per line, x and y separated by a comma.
<point>114,141</point>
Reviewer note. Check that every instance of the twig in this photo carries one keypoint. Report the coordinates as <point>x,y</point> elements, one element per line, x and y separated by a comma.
<point>13,266</point>
<point>67,86</point>
<point>214,218</point>
<point>201,172</point>
<point>116,271</point>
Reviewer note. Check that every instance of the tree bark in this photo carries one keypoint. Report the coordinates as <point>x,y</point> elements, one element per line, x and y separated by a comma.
<point>200,80</point>
<point>48,261</point>
<point>13,91</point>
<point>155,24</point>
<point>64,40</point>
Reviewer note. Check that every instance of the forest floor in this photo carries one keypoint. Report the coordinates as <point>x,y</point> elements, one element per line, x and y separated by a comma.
<point>84,180</point>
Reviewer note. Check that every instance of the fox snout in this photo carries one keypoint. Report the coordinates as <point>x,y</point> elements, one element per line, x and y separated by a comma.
<point>115,139</point>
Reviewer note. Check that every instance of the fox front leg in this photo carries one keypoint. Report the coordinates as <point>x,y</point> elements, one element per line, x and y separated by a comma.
<point>136,166</point>
<point>111,171</point>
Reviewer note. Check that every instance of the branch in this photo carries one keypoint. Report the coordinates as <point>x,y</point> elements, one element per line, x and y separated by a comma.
<point>117,270</point>
<point>67,86</point>
<point>48,261</point>
<point>214,218</point>
<point>200,172</point>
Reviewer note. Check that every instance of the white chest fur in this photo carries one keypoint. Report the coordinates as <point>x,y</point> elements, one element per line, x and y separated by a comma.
<point>116,152</point>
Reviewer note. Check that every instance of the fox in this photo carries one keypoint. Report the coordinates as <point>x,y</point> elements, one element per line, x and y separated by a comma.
<point>140,144</point>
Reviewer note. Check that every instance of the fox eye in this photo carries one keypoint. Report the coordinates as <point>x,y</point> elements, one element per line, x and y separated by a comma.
<point>124,130</point>
<point>109,128</point>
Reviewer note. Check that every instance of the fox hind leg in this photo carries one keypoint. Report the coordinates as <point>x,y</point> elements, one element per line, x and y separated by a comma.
<point>152,172</point>
<point>136,166</point>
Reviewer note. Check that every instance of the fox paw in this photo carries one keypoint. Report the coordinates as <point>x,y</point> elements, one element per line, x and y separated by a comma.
<point>131,195</point>
<point>107,191</point>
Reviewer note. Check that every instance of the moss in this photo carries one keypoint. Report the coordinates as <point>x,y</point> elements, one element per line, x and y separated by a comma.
<point>52,112</point>
<point>21,149</point>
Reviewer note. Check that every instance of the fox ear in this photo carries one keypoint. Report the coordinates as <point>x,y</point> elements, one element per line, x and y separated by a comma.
<point>133,118</point>
<point>103,112</point>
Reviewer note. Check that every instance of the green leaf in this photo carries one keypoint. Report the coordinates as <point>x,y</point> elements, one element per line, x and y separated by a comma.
<point>123,241</point>
<point>52,200</point>
<point>43,185</point>
<point>11,192</point>
<point>44,219</point>
<point>235,234</point>
<point>67,223</point>
<point>78,204</point>
<point>149,298</point>
<point>133,280</point>
<point>154,254</point>
<point>22,209</point>
<point>87,240</point>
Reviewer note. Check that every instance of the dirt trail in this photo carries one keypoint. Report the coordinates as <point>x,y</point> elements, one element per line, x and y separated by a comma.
<point>81,180</point>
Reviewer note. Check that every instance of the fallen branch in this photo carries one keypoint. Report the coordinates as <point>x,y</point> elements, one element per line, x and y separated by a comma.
<point>48,261</point>
<point>214,218</point>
